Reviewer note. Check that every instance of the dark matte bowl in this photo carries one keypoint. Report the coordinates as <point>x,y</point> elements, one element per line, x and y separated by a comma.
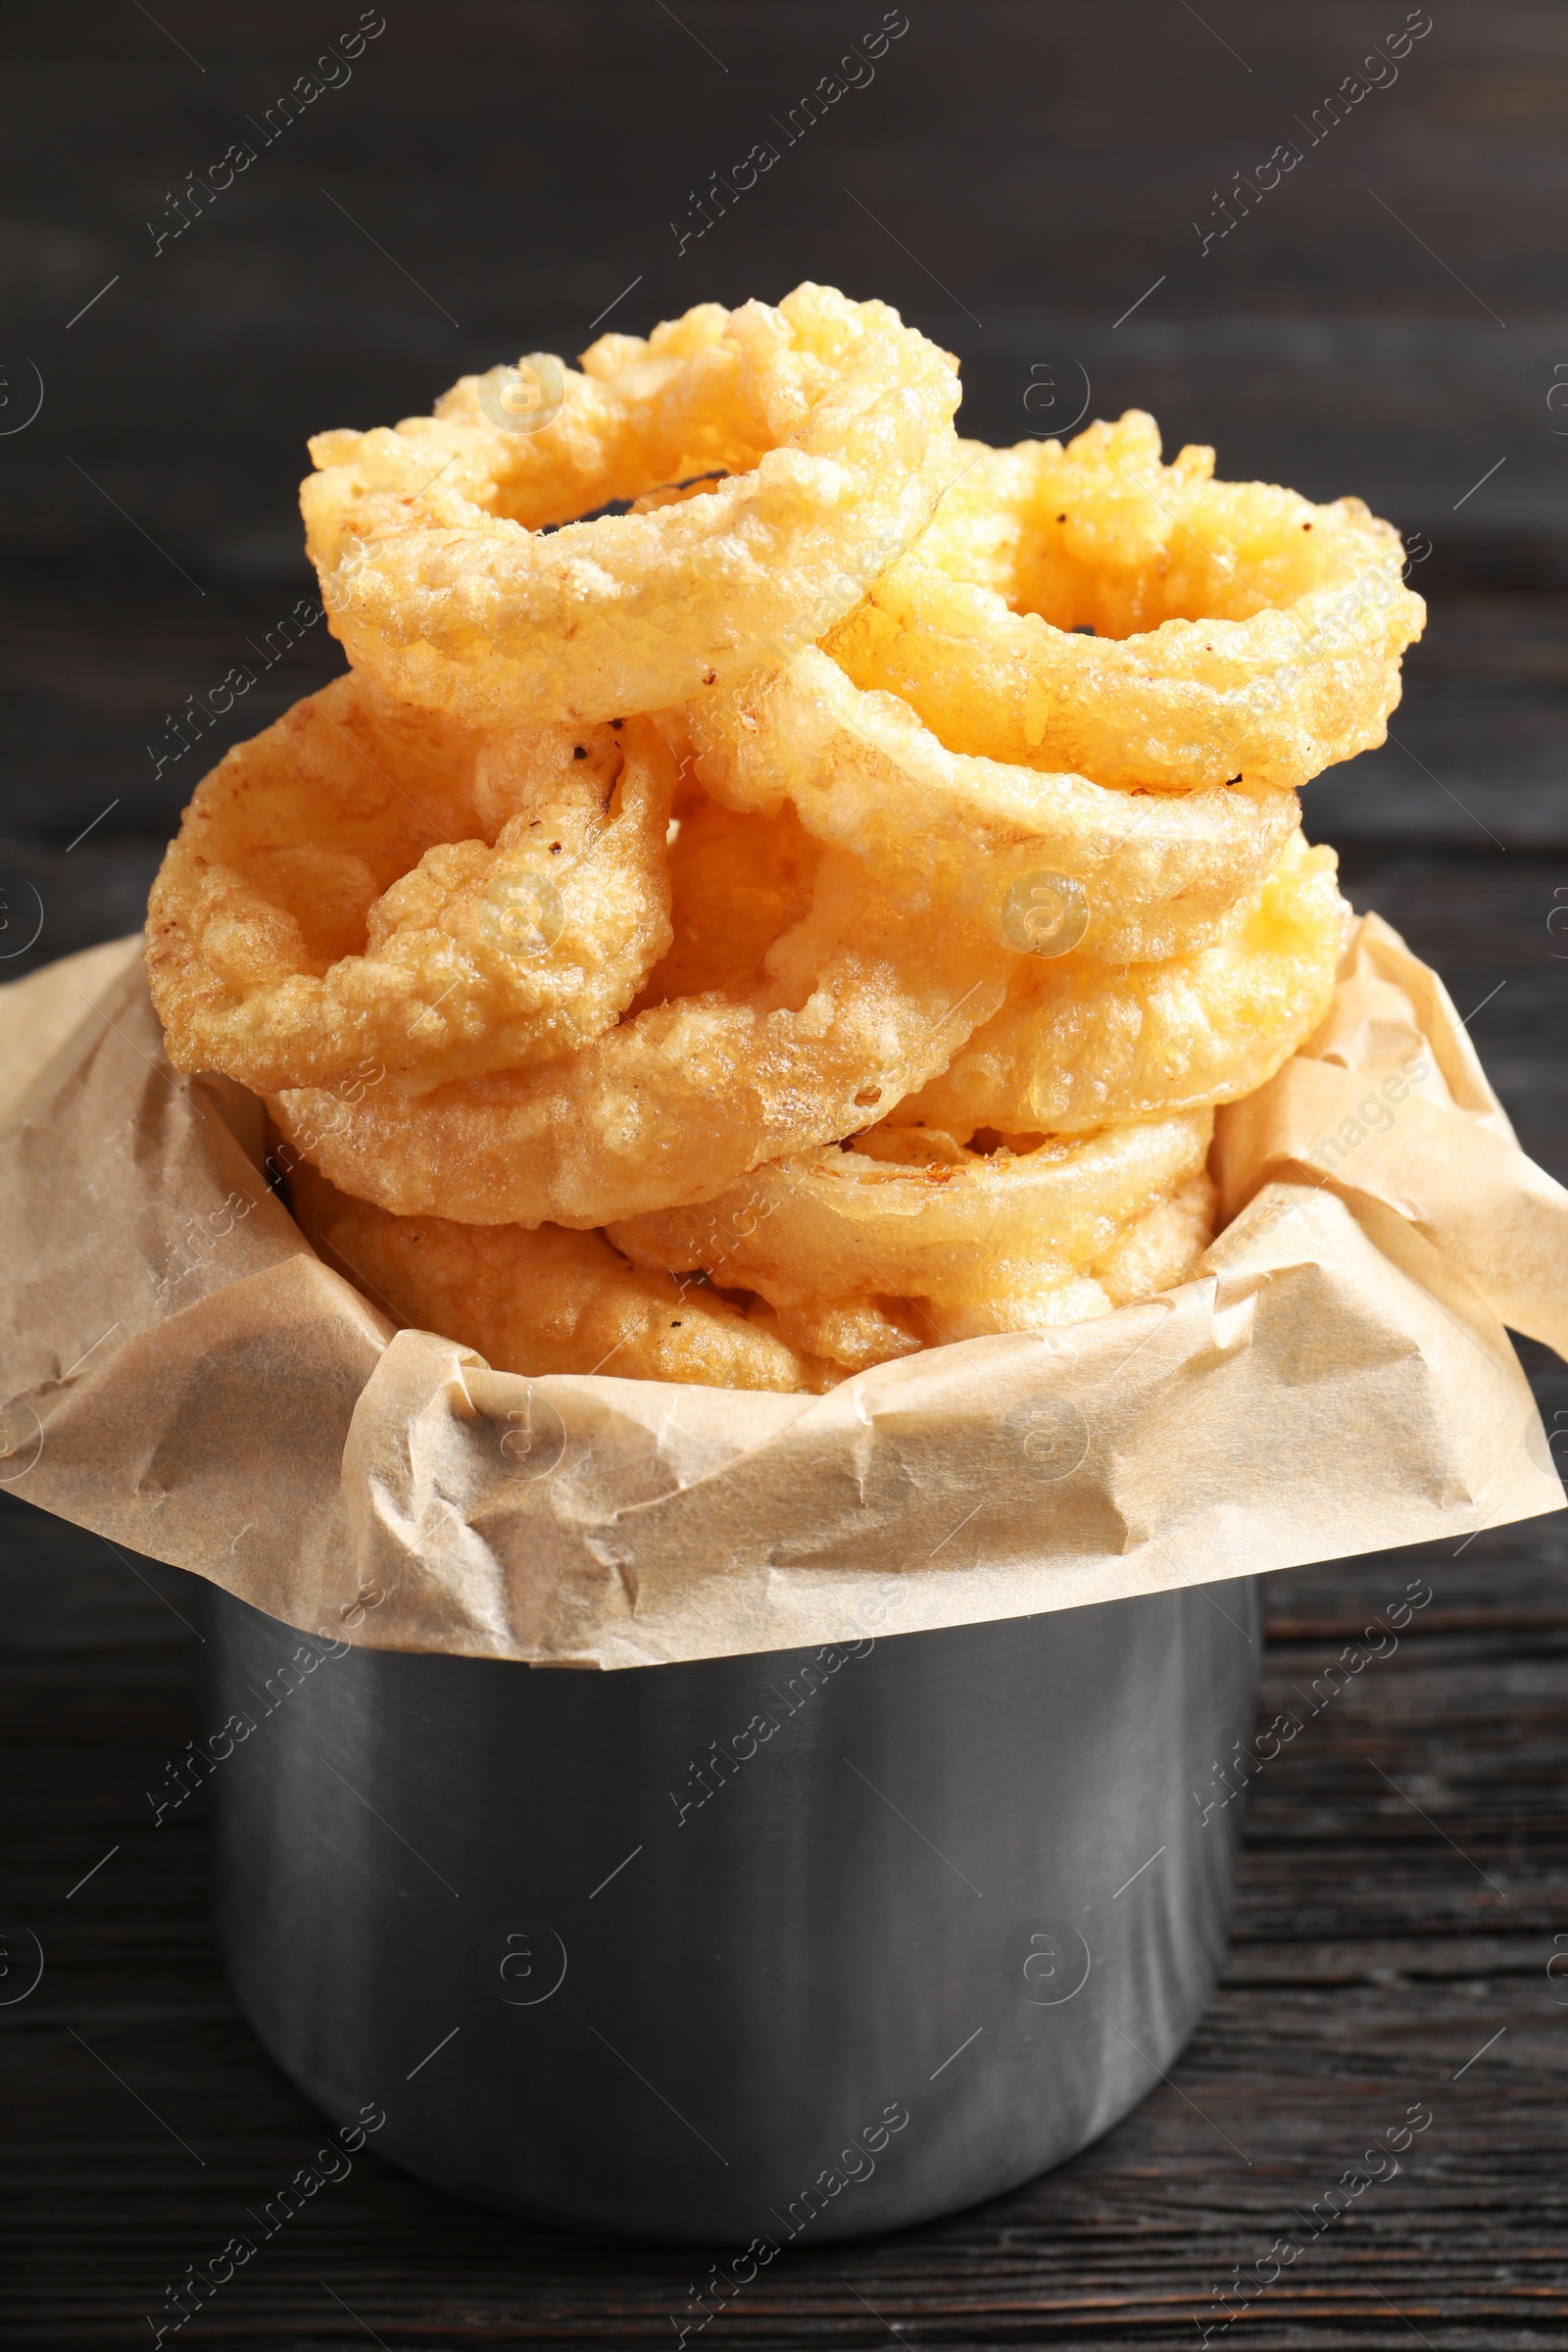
<point>610,1950</point>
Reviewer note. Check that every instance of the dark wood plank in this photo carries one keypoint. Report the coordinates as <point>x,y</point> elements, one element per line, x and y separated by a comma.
<point>1022,171</point>
<point>1026,169</point>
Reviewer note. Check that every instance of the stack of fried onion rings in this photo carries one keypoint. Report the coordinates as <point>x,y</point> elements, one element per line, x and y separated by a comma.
<point>854,1007</point>
<point>807,918</point>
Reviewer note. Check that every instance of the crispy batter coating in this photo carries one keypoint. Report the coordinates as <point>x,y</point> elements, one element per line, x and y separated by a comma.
<point>369,884</point>
<point>1238,633</point>
<point>861,1001</point>
<point>737,882</point>
<point>1079,1044</point>
<point>1144,877</point>
<point>548,1300</point>
<point>830,420</point>
<point>1163,1246</point>
<point>975,1239</point>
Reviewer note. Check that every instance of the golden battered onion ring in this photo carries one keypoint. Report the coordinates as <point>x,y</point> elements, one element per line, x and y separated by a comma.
<point>1240,634</point>
<point>327,905</point>
<point>852,1334</point>
<point>832,421</point>
<point>1163,1246</point>
<point>1153,1251</point>
<point>1079,1044</point>
<point>1126,878</point>
<point>861,1002</point>
<point>547,1301</point>
<point>978,1241</point>
<point>736,883</point>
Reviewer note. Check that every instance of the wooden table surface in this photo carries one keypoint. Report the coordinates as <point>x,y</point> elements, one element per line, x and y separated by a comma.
<point>1402,1926</point>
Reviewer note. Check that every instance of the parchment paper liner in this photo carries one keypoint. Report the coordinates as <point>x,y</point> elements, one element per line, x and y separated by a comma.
<point>185,1377</point>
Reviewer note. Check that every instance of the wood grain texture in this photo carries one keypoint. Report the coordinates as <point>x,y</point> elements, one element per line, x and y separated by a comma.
<point>1402,1888</point>
<point>1021,171</point>
<point>1017,173</point>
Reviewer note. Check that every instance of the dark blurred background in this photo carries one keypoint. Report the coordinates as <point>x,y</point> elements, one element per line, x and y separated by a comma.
<point>1032,185</point>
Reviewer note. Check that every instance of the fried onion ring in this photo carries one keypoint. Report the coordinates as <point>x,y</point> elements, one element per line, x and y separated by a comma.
<point>1078,1044</point>
<point>369,883</point>
<point>1237,634</point>
<point>1163,1246</point>
<point>831,419</point>
<point>736,883</point>
<point>861,1002</point>
<point>548,1300</point>
<point>977,1241</point>
<point>1125,878</point>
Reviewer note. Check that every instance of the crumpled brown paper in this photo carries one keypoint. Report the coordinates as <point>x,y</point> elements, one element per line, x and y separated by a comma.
<point>183,1375</point>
